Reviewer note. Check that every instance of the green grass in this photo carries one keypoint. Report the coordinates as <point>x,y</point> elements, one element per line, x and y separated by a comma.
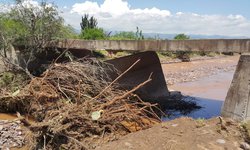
<point>200,122</point>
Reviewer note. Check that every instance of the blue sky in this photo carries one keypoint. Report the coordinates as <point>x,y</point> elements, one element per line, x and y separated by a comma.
<point>209,17</point>
<point>224,7</point>
<point>199,6</point>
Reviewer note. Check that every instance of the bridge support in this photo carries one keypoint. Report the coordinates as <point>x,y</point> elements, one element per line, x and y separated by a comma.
<point>237,103</point>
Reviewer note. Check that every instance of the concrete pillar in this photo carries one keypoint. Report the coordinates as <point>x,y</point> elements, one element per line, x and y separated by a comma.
<point>236,105</point>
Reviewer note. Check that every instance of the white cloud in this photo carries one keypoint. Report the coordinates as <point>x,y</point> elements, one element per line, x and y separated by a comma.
<point>6,7</point>
<point>86,7</point>
<point>114,8</point>
<point>30,3</point>
<point>117,15</point>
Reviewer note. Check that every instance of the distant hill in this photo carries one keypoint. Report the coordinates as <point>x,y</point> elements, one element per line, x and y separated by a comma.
<point>192,36</point>
<point>171,36</point>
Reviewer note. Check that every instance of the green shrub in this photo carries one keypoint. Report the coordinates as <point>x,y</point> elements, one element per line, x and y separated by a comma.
<point>93,34</point>
<point>6,78</point>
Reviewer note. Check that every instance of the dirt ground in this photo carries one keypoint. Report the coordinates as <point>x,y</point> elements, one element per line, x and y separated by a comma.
<point>184,134</point>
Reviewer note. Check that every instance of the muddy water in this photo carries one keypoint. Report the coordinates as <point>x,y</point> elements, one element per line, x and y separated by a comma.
<point>9,117</point>
<point>208,92</point>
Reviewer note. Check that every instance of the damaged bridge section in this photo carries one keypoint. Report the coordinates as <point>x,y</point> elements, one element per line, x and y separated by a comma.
<point>215,45</point>
<point>237,101</point>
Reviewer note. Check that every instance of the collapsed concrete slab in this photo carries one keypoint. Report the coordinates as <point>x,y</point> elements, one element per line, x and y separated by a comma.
<point>148,66</point>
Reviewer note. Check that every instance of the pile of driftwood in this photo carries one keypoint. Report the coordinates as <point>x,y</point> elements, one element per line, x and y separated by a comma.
<point>77,106</point>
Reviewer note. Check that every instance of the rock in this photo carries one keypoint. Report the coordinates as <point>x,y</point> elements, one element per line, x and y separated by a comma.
<point>244,146</point>
<point>129,145</point>
<point>176,95</point>
<point>174,125</point>
<point>221,141</point>
<point>19,133</point>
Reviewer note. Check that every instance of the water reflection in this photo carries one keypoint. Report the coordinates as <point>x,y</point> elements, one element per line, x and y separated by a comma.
<point>209,93</point>
<point>208,108</point>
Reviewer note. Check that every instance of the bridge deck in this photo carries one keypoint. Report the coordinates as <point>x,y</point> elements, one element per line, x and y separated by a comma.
<point>215,45</point>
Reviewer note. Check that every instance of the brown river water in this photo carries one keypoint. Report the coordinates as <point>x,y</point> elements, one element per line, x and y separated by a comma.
<point>9,117</point>
<point>208,92</point>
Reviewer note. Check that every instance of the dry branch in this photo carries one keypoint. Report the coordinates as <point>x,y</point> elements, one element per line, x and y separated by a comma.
<point>67,96</point>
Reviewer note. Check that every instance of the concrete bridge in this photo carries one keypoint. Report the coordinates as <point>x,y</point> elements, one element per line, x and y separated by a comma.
<point>215,45</point>
<point>237,101</point>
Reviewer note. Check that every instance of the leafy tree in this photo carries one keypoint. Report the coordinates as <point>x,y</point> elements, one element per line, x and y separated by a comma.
<point>139,34</point>
<point>92,22</point>
<point>189,53</point>
<point>32,26</point>
<point>181,37</point>
<point>183,55</point>
<point>89,29</point>
<point>93,34</point>
<point>85,22</point>
<point>68,32</point>
<point>88,22</point>
<point>124,36</point>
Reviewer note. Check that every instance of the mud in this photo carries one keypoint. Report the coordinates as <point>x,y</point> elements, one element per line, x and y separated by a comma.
<point>9,117</point>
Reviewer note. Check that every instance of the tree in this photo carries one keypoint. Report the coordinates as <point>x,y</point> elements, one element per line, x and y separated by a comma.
<point>31,26</point>
<point>88,22</point>
<point>93,34</point>
<point>85,22</point>
<point>68,32</point>
<point>181,37</point>
<point>129,35</point>
<point>183,55</point>
<point>89,29</point>
<point>92,22</point>
<point>124,36</point>
<point>139,34</point>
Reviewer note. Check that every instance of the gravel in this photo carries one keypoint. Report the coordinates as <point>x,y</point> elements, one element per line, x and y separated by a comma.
<point>11,134</point>
<point>193,75</point>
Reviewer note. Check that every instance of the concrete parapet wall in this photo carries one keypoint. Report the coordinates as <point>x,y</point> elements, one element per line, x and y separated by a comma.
<point>215,45</point>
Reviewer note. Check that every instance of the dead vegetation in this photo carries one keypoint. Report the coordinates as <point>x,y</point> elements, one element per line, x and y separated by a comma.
<point>77,106</point>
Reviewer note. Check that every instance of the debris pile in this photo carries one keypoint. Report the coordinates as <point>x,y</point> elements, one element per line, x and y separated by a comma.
<point>78,106</point>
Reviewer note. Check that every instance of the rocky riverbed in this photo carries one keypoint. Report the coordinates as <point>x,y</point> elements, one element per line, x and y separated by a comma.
<point>191,71</point>
<point>11,134</point>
